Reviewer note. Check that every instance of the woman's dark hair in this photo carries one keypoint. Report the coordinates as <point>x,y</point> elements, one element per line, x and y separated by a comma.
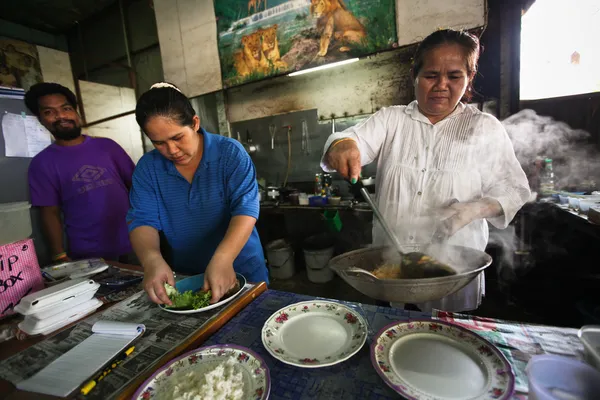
<point>469,43</point>
<point>164,100</point>
<point>45,89</point>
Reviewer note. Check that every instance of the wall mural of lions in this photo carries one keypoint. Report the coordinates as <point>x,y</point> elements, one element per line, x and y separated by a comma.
<point>262,38</point>
<point>334,20</point>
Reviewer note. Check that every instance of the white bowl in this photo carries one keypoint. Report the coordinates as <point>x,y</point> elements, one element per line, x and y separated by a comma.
<point>585,204</point>
<point>563,198</point>
<point>574,202</point>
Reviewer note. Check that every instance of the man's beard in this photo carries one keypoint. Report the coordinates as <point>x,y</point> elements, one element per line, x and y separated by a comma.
<point>64,133</point>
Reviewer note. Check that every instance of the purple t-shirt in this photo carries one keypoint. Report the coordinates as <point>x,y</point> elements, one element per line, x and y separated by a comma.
<point>90,182</point>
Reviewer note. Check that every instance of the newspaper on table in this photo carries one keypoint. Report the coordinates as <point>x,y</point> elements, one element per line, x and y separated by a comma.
<point>164,332</point>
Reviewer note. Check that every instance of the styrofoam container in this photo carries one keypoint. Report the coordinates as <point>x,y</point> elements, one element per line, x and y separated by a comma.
<point>49,312</point>
<point>561,378</point>
<point>15,222</point>
<point>32,325</point>
<point>71,292</point>
<point>590,337</point>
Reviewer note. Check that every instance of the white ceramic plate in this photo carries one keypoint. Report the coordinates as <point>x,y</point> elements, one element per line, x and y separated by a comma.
<point>314,334</point>
<point>195,283</point>
<point>77,269</point>
<point>429,360</point>
<point>257,380</point>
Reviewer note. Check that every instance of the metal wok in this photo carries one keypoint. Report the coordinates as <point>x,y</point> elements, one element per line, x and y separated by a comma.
<point>467,263</point>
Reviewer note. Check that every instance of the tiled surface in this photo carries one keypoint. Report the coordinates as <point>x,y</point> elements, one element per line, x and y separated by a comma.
<point>56,66</point>
<point>188,45</point>
<point>102,101</point>
<point>415,20</point>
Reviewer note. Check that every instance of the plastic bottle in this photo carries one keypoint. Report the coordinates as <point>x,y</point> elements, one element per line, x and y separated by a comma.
<point>547,181</point>
<point>318,184</point>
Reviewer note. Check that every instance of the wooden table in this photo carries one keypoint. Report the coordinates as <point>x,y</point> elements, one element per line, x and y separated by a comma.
<point>13,346</point>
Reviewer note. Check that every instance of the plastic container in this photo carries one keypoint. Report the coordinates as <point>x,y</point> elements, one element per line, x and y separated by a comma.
<point>71,292</point>
<point>334,222</point>
<point>303,199</point>
<point>317,201</point>
<point>280,256</point>
<point>33,325</point>
<point>334,201</point>
<point>318,250</point>
<point>15,222</point>
<point>574,202</point>
<point>563,199</point>
<point>561,378</point>
<point>585,204</point>
<point>590,337</point>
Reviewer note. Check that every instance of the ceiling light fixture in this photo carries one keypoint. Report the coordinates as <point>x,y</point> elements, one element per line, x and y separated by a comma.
<point>326,66</point>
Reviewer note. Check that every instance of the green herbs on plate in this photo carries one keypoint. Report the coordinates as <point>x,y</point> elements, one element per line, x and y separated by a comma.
<point>187,300</point>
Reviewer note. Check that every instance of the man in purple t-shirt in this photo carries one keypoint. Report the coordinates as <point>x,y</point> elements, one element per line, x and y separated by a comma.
<point>85,178</point>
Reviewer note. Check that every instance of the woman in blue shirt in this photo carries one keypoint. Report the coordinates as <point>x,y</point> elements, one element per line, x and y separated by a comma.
<point>200,191</point>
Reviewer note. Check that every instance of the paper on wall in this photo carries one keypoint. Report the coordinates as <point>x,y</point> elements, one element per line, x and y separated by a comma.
<point>23,135</point>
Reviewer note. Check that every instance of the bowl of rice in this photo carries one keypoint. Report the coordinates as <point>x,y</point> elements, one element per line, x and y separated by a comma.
<point>221,372</point>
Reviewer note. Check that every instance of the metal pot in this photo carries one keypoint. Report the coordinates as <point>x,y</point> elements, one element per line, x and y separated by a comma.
<point>467,263</point>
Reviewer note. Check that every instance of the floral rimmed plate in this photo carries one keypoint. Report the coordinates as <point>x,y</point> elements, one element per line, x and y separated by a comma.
<point>314,334</point>
<point>257,380</point>
<point>427,360</point>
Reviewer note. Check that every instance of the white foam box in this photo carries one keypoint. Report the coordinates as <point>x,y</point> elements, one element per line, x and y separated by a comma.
<point>62,296</point>
<point>42,324</point>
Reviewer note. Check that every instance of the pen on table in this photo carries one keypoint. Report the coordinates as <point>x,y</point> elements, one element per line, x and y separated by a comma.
<point>48,276</point>
<point>85,389</point>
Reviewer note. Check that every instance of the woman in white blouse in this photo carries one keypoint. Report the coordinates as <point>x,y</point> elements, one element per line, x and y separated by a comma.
<point>436,150</point>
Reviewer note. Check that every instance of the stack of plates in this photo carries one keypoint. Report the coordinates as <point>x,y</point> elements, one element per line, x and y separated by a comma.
<point>76,269</point>
<point>54,307</point>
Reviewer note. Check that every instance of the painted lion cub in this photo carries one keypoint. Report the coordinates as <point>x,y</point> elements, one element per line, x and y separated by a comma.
<point>251,58</point>
<point>270,47</point>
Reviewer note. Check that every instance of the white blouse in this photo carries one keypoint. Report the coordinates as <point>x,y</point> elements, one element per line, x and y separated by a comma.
<point>421,167</point>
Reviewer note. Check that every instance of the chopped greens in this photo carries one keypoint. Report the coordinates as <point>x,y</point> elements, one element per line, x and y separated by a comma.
<point>187,300</point>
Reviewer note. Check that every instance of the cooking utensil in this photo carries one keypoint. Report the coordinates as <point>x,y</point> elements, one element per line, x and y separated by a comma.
<point>467,263</point>
<point>272,131</point>
<point>356,270</point>
<point>305,141</point>
<point>389,232</point>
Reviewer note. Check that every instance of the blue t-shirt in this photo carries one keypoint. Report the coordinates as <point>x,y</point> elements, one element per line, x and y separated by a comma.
<point>194,217</point>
